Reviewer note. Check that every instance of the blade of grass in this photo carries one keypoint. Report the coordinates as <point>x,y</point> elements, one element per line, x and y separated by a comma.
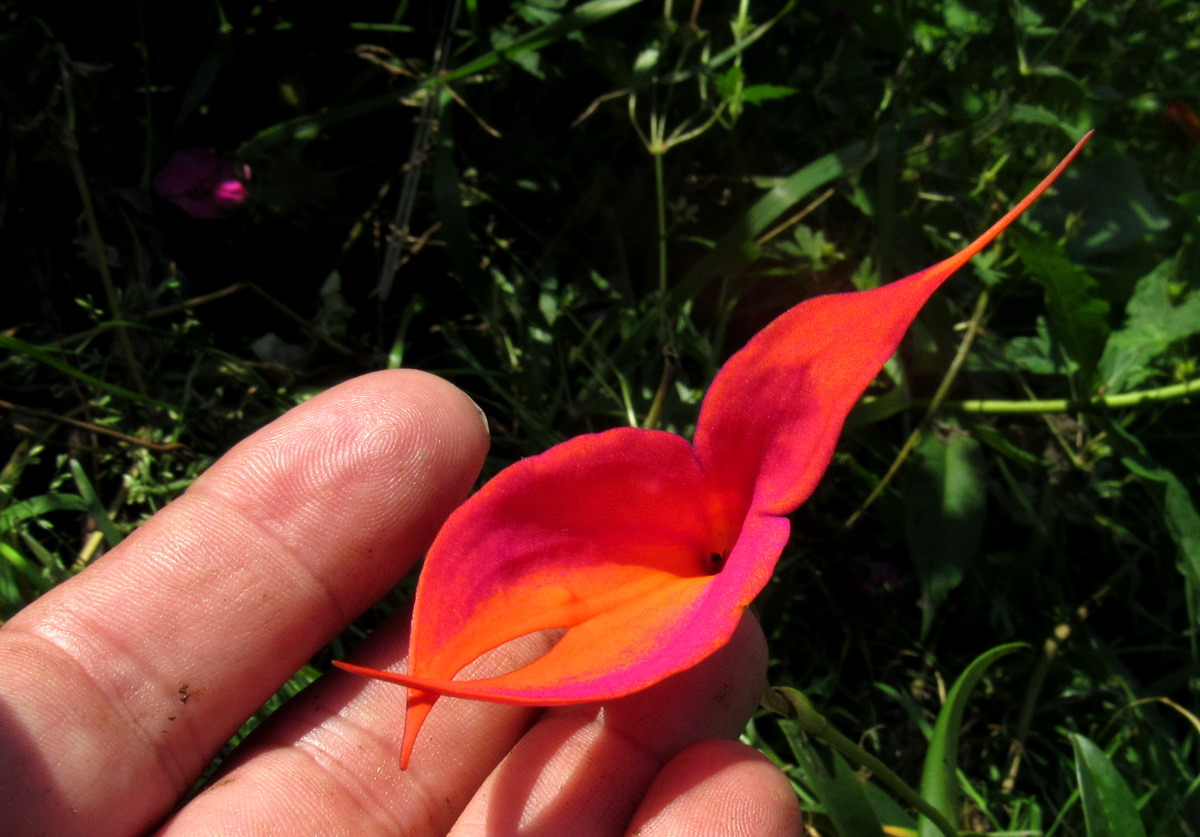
<point>582,16</point>
<point>34,507</point>
<point>738,248</point>
<point>939,779</point>
<point>94,507</point>
<point>91,427</point>
<point>14,559</point>
<point>794,705</point>
<point>837,789</point>
<point>46,359</point>
<point>52,564</point>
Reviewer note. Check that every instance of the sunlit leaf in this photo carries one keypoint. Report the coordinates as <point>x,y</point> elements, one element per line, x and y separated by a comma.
<point>939,780</point>
<point>1154,322</point>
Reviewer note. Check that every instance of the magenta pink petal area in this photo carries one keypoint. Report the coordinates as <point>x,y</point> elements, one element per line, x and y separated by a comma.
<point>617,536</point>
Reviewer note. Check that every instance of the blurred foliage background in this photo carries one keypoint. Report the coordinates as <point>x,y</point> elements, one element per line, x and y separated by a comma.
<point>576,211</point>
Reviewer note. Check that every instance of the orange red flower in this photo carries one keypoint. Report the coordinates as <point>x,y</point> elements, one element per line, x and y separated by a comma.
<point>647,549</point>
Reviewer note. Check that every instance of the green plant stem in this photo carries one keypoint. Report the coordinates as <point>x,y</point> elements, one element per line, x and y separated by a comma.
<point>91,427</point>
<point>660,200</point>
<point>1066,405</point>
<point>1050,648</point>
<point>794,705</point>
<point>931,406</point>
<point>99,249</point>
<point>670,368</point>
<point>657,150</point>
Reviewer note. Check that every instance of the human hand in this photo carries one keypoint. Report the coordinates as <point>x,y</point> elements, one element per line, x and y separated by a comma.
<point>119,686</point>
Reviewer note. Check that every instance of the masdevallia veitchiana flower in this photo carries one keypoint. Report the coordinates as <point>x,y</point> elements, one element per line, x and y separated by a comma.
<point>643,548</point>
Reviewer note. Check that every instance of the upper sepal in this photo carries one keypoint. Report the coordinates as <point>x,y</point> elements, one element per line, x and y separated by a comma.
<point>771,418</point>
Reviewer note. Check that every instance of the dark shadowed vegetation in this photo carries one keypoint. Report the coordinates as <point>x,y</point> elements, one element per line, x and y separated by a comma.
<point>576,211</point>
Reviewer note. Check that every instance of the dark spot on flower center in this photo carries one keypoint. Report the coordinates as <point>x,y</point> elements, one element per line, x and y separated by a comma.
<point>715,562</point>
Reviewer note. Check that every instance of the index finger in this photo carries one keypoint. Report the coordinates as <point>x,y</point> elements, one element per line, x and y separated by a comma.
<point>117,688</point>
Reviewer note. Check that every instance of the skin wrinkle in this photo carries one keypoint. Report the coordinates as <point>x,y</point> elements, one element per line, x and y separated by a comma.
<point>339,613</point>
<point>549,781</point>
<point>352,787</point>
<point>315,474</point>
<point>84,745</point>
<point>373,464</point>
<point>705,791</point>
<point>362,789</point>
<point>353,708</point>
<point>324,809</point>
<point>282,773</point>
<point>589,746</point>
<point>142,708</point>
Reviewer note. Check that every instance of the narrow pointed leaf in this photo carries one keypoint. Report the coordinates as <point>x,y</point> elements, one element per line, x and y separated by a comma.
<point>939,778</point>
<point>737,248</point>
<point>1109,809</point>
<point>839,791</point>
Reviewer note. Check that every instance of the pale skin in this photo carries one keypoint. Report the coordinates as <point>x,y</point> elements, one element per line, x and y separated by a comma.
<point>118,687</point>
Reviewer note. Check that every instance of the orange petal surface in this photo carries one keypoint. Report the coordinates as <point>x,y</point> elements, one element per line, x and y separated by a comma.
<point>642,548</point>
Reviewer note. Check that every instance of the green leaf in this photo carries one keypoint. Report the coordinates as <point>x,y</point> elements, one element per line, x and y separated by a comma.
<point>1122,211</point>
<point>793,704</point>
<point>95,507</point>
<point>945,498</point>
<point>839,790</point>
<point>730,83</point>
<point>1030,114</point>
<point>1109,809</point>
<point>1036,354</point>
<point>890,812</point>
<point>1078,315</point>
<point>1003,445</point>
<point>1179,511</point>
<point>38,506</point>
<point>1182,519</point>
<point>48,359</point>
<point>737,248</point>
<point>530,61</point>
<point>939,779</point>
<point>961,19</point>
<point>756,94</point>
<point>1154,321</point>
<point>1183,522</point>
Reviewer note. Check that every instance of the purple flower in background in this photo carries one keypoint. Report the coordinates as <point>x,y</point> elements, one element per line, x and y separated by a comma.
<point>202,185</point>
